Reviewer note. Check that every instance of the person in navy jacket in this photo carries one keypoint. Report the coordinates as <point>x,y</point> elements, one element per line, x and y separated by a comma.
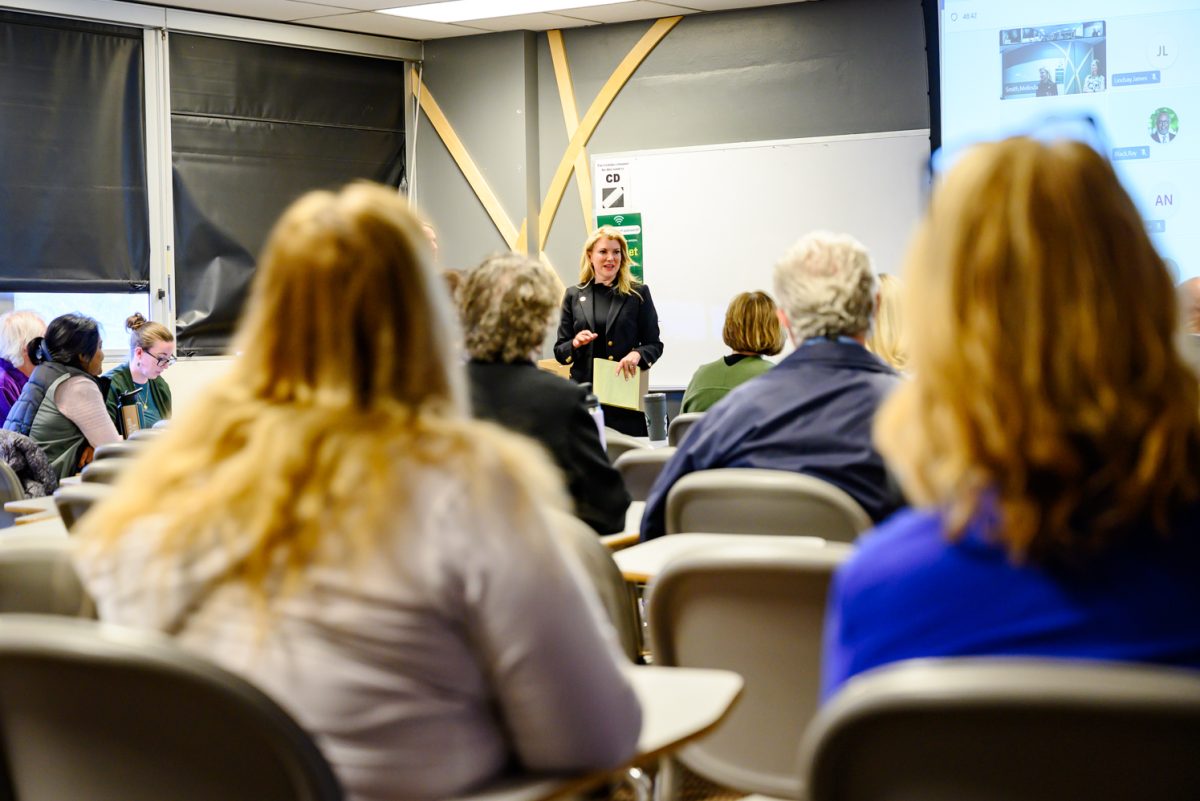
<point>813,412</point>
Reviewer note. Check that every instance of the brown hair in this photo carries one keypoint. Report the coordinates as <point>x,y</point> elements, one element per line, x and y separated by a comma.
<point>145,334</point>
<point>625,283</point>
<point>752,325</point>
<point>507,304</point>
<point>1045,374</point>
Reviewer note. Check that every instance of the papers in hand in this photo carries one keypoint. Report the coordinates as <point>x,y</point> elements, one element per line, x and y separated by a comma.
<point>613,389</point>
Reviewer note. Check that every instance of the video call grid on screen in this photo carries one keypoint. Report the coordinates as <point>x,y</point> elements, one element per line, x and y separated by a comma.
<point>1134,67</point>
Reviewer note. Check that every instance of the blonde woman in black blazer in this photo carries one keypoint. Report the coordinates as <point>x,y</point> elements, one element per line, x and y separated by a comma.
<point>610,316</point>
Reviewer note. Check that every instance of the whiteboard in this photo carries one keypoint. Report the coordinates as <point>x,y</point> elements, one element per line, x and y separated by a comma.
<point>716,219</point>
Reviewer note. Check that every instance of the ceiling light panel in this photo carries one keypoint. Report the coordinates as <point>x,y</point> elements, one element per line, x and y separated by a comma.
<point>460,10</point>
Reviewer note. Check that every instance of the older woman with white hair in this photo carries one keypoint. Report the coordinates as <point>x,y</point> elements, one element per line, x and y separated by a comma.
<point>17,330</point>
<point>813,412</point>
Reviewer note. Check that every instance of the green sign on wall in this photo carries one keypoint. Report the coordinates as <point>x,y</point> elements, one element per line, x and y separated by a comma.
<point>630,225</point>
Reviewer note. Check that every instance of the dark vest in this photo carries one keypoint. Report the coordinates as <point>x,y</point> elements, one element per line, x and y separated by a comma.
<point>20,417</point>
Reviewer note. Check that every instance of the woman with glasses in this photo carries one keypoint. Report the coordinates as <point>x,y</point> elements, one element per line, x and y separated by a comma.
<point>61,407</point>
<point>151,352</point>
<point>329,522</point>
<point>1049,436</point>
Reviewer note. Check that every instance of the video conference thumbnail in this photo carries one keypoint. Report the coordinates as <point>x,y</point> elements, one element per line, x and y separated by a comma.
<point>1052,60</point>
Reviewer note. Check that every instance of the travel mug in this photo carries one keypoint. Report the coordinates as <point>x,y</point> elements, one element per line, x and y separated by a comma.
<point>656,415</point>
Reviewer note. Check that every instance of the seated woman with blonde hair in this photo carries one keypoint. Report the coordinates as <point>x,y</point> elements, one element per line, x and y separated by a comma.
<point>151,352</point>
<point>330,523</point>
<point>752,331</point>
<point>887,338</point>
<point>1050,434</point>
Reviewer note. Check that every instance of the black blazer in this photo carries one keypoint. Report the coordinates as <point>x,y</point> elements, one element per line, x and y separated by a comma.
<point>551,410</point>
<point>632,325</point>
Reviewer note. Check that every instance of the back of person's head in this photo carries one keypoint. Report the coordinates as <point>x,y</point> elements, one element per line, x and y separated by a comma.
<point>888,339</point>
<point>1046,380</point>
<point>1189,305</point>
<point>826,286</point>
<point>145,334</point>
<point>71,339</point>
<point>17,330</point>
<point>507,304</point>
<point>752,325</point>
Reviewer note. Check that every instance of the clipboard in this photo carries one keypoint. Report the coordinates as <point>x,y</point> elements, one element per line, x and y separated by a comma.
<point>614,390</point>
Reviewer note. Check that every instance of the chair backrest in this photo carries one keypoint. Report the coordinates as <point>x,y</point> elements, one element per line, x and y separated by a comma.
<point>679,427</point>
<point>146,433</point>
<point>95,711</point>
<point>757,610</point>
<point>37,577</point>
<point>617,443</point>
<point>615,595</point>
<point>640,467</point>
<point>74,501</point>
<point>163,423</point>
<point>125,449</point>
<point>750,501</point>
<point>1007,729</point>
<point>105,472</point>
<point>11,488</point>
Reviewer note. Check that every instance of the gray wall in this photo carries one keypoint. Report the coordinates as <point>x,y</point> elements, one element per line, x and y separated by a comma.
<point>780,72</point>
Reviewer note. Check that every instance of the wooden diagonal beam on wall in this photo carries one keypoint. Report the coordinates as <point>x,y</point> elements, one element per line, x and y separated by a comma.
<point>566,97</point>
<point>587,126</point>
<point>463,159</point>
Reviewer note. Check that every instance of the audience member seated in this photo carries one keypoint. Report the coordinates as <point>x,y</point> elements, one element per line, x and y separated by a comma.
<point>887,339</point>
<point>61,407</point>
<point>151,352</point>
<point>1049,435</point>
<point>507,306</point>
<point>812,412</point>
<point>17,330</point>
<point>330,523</point>
<point>752,330</point>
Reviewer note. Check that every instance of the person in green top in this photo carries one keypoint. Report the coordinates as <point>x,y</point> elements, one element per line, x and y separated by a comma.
<point>151,352</point>
<point>752,331</point>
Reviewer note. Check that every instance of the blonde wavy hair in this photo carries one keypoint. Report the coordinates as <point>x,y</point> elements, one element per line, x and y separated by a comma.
<point>626,283</point>
<point>345,390</point>
<point>507,304</point>
<point>752,325</point>
<point>1046,385</point>
<point>888,339</point>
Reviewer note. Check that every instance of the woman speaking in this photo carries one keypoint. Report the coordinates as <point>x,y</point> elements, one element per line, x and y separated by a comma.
<point>610,317</point>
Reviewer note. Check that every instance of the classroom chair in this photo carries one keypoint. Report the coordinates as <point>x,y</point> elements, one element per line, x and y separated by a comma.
<point>617,443</point>
<point>95,711</point>
<point>757,610</point>
<point>74,501</point>
<point>752,501</point>
<point>680,425</point>
<point>125,449</point>
<point>106,471</point>
<point>36,577</point>
<point>1008,729</point>
<point>640,467</point>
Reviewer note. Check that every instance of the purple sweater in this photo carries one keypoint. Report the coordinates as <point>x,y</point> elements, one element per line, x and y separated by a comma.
<point>11,381</point>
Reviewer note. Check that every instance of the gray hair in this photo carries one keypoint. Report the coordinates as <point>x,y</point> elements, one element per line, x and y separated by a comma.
<point>826,286</point>
<point>17,328</point>
<point>507,304</point>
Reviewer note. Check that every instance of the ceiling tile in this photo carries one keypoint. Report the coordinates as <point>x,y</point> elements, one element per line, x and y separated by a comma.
<point>528,22</point>
<point>625,12</point>
<point>725,5</point>
<point>277,10</point>
<point>388,25</point>
<point>373,5</point>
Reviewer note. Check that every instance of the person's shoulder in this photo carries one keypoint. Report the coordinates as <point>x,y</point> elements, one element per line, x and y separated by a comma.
<point>120,371</point>
<point>896,548</point>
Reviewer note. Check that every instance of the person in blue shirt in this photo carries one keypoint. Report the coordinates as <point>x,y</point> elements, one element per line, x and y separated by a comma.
<point>811,413</point>
<point>1049,437</point>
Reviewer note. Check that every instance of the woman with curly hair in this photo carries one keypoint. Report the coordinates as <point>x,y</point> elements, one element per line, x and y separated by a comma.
<point>329,522</point>
<point>1050,434</point>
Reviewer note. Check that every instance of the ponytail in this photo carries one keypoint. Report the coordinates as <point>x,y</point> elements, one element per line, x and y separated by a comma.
<point>36,351</point>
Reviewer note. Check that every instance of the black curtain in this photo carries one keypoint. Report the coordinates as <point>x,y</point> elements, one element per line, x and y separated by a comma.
<point>253,127</point>
<point>73,208</point>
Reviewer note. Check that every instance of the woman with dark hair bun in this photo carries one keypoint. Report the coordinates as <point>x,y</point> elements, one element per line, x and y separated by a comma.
<point>62,406</point>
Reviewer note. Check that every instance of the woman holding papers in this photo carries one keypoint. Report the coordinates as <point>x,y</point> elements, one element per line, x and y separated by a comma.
<point>609,317</point>
<point>329,522</point>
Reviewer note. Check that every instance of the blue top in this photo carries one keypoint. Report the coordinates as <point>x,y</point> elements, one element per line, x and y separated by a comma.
<point>811,414</point>
<point>908,592</point>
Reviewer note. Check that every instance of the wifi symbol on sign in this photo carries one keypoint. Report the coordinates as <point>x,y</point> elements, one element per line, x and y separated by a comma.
<point>618,220</point>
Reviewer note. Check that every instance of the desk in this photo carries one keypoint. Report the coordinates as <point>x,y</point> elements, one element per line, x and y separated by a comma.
<point>640,563</point>
<point>678,705</point>
<point>31,506</point>
<point>50,526</point>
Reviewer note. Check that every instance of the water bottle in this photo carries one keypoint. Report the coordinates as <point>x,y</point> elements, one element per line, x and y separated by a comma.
<point>592,403</point>
<point>655,405</point>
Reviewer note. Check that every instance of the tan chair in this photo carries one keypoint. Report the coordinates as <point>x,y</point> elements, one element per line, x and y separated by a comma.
<point>161,424</point>
<point>680,425</point>
<point>757,610</point>
<point>36,577</point>
<point>617,443</point>
<point>75,500</point>
<point>10,485</point>
<point>105,472</point>
<point>101,712</point>
<point>640,467</point>
<point>146,434</point>
<point>1008,729</point>
<point>125,449</point>
<point>749,501</point>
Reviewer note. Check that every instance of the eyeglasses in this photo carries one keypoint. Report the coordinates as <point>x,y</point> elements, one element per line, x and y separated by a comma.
<point>162,361</point>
